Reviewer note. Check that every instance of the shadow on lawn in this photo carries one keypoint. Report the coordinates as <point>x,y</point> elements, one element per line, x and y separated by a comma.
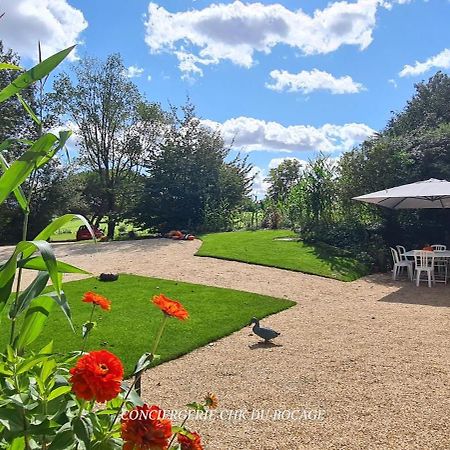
<point>340,261</point>
<point>408,293</point>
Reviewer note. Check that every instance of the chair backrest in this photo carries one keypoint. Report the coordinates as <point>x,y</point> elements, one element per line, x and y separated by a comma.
<point>401,252</point>
<point>424,259</point>
<point>394,254</point>
<point>439,247</point>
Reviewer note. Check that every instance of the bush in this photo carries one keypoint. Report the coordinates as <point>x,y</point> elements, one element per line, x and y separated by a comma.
<point>364,243</point>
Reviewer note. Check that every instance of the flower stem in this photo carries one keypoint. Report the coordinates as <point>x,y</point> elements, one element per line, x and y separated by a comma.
<point>87,334</point>
<point>155,347</point>
<point>174,434</point>
<point>137,380</point>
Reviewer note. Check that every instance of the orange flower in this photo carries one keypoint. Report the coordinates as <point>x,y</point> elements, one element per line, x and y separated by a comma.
<point>97,376</point>
<point>98,300</point>
<point>144,428</point>
<point>211,401</point>
<point>192,442</point>
<point>170,307</point>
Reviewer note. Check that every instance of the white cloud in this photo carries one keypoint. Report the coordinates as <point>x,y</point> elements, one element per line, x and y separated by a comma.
<point>439,61</point>
<point>149,78</point>
<point>257,135</point>
<point>55,23</point>
<point>393,82</point>
<point>235,31</point>
<point>314,80</point>
<point>260,186</point>
<point>275,162</point>
<point>134,71</point>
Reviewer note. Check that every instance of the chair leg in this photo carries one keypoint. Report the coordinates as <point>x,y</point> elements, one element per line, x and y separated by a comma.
<point>429,278</point>
<point>417,277</point>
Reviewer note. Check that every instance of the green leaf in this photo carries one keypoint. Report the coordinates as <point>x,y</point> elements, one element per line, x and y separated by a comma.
<point>36,73</point>
<point>28,109</point>
<point>63,137</point>
<point>62,302</point>
<point>37,263</point>
<point>87,328</point>
<point>11,419</point>
<point>32,291</point>
<point>133,396</point>
<point>61,390</point>
<point>18,444</point>
<point>19,194</point>
<point>46,349</point>
<point>34,321</point>
<point>50,229</point>
<point>20,169</point>
<point>82,428</point>
<point>8,270</point>
<point>9,66</point>
<point>48,368</point>
<point>64,438</point>
<point>196,406</point>
<point>144,361</point>
<point>29,363</point>
<point>5,291</point>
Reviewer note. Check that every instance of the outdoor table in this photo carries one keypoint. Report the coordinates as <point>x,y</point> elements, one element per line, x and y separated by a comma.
<point>437,254</point>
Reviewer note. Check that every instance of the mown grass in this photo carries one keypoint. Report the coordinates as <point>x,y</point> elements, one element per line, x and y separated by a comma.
<point>129,328</point>
<point>69,231</point>
<point>264,247</point>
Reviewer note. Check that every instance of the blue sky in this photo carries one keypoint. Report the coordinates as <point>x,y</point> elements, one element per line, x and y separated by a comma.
<point>284,78</point>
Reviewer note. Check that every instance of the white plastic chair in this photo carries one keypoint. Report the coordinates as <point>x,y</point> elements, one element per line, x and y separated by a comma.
<point>399,264</point>
<point>424,263</point>
<point>440,263</point>
<point>401,252</point>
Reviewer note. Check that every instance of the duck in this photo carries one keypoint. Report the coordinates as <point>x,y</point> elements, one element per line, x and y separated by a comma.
<point>266,333</point>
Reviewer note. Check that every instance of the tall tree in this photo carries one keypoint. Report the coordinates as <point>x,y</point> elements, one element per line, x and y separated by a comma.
<point>189,180</point>
<point>117,129</point>
<point>427,109</point>
<point>281,179</point>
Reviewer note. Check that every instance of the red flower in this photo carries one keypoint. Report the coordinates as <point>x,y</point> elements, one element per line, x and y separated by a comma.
<point>170,307</point>
<point>98,300</point>
<point>97,376</point>
<point>144,428</point>
<point>192,442</point>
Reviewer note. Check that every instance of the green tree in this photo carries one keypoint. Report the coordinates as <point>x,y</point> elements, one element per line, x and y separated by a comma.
<point>117,129</point>
<point>312,199</point>
<point>189,184</point>
<point>282,178</point>
<point>427,109</point>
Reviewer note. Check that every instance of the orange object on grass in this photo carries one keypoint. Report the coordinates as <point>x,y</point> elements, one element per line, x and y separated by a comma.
<point>170,307</point>
<point>97,376</point>
<point>98,300</point>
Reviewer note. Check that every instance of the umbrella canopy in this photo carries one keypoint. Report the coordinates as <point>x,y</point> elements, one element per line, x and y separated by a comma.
<point>423,194</point>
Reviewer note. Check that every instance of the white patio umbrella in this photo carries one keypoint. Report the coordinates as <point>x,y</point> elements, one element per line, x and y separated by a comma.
<point>431,193</point>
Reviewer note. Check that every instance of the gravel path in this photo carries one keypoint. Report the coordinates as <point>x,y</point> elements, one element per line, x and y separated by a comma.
<point>361,365</point>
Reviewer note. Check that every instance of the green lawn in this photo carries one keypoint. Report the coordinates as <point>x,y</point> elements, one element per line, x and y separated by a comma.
<point>129,328</point>
<point>69,231</point>
<point>263,247</point>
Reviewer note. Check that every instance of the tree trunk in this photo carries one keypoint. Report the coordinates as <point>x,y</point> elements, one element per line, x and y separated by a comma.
<point>111,227</point>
